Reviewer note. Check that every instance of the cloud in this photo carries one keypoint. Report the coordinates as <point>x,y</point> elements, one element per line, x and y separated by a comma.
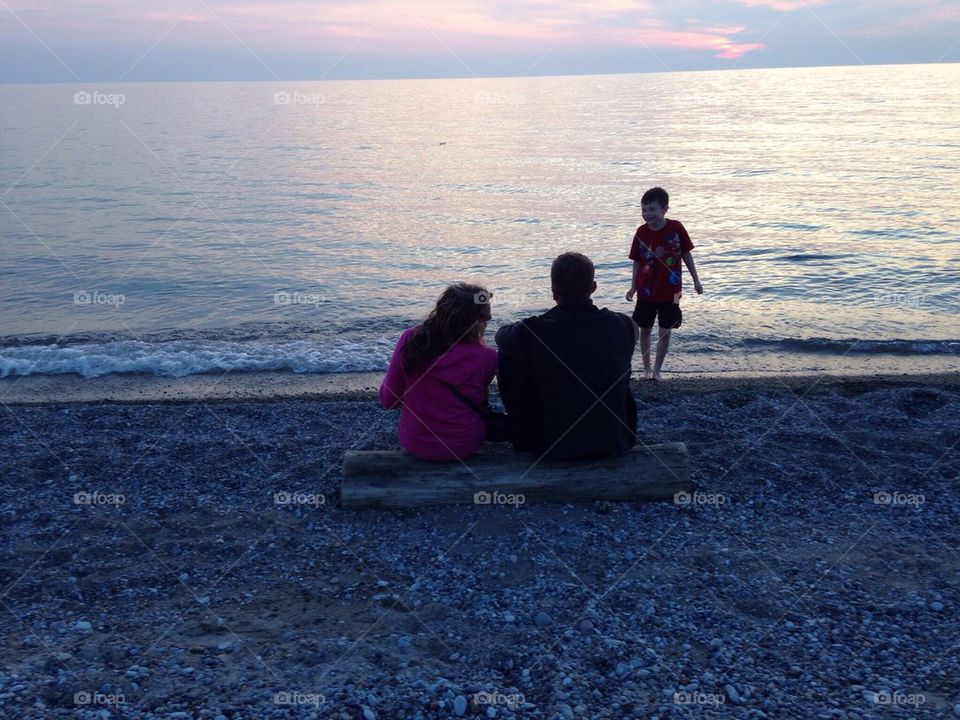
<point>109,33</point>
<point>719,44</point>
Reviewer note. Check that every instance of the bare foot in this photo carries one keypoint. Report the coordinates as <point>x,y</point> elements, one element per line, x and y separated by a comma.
<point>655,375</point>
<point>647,373</point>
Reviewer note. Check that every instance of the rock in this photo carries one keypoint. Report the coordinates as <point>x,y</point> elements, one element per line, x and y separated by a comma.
<point>732,693</point>
<point>83,626</point>
<point>936,606</point>
<point>622,668</point>
<point>956,709</point>
<point>459,705</point>
<point>369,714</point>
<point>542,619</point>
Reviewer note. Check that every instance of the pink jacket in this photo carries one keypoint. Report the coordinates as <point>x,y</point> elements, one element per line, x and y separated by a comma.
<point>434,423</point>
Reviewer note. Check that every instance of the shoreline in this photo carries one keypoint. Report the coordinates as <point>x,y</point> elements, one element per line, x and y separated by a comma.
<point>281,385</point>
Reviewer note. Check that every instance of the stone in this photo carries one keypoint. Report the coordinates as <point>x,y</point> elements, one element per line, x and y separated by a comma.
<point>936,606</point>
<point>542,619</point>
<point>369,714</point>
<point>459,705</point>
<point>732,693</point>
<point>83,626</point>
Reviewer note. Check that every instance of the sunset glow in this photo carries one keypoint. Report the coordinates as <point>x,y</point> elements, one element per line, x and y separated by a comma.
<point>136,39</point>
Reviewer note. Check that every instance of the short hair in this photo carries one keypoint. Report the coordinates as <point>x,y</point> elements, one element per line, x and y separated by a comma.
<point>655,194</point>
<point>572,277</point>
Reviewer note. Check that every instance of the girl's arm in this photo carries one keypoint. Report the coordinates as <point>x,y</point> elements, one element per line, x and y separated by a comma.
<point>395,382</point>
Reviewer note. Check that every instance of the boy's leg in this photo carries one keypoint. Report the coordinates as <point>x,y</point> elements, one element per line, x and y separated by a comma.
<point>643,315</point>
<point>645,349</point>
<point>663,344</point>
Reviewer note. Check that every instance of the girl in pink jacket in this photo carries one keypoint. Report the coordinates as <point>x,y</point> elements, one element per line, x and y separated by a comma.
<point>445,350</point>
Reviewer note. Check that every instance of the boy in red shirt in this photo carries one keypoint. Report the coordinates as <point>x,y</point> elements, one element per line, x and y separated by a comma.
<point>658,247</point>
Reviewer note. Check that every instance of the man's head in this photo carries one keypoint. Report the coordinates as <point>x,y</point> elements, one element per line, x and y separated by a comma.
<point>653,206</point>
<point>571,278</point>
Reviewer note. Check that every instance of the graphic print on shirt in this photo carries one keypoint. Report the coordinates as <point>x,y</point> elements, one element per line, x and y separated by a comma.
<point>664,259</point>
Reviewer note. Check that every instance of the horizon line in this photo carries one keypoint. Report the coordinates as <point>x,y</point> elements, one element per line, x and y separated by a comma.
<point>486,77</point>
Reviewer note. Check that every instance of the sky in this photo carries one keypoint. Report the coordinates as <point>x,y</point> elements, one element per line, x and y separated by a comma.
<point>196,40</point>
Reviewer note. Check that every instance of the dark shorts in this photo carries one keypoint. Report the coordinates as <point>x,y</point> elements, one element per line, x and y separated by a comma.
<point>669,314</point>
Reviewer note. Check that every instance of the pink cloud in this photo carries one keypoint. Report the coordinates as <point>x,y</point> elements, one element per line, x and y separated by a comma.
<point>719,43</point>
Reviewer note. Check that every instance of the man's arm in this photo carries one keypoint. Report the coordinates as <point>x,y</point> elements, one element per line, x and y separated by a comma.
<point>508,339</point>
<point>635,281</point>
<point>688,261</point>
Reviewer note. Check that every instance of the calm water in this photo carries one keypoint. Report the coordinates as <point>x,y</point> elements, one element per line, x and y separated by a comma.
<point>178,228</point>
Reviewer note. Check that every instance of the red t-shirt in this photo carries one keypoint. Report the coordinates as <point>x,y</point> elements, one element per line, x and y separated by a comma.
<point>659,254</point>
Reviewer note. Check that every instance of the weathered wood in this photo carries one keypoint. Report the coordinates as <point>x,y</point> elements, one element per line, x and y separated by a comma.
<point>386,479</point>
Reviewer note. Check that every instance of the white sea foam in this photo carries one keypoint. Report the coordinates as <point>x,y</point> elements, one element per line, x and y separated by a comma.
<point>189,357</point>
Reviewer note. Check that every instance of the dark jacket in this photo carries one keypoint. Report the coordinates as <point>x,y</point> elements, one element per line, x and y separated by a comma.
<point>565,382</point>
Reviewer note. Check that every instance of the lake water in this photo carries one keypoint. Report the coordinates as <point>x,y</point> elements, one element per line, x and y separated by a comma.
<point>181,228</point>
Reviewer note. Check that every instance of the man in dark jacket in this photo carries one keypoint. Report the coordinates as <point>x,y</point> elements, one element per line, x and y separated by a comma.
<point>564,376</point>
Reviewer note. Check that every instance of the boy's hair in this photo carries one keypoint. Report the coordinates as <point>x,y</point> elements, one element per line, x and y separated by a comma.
<point>571,276</point>
<point>656,194</point>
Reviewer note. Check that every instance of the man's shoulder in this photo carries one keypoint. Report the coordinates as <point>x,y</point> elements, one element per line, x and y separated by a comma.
<point>622,318</point>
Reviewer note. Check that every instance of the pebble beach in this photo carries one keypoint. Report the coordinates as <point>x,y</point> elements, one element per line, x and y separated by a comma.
<point>188,559</point>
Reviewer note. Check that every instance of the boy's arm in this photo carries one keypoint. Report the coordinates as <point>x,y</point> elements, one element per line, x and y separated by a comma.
<point>688,261</point>
<point>633,283</point>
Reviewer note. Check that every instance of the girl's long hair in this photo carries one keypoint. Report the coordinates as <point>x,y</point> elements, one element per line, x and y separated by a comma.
<point>459,317</point>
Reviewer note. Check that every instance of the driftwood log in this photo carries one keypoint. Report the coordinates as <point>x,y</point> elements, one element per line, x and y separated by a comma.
<point>387,479</point>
